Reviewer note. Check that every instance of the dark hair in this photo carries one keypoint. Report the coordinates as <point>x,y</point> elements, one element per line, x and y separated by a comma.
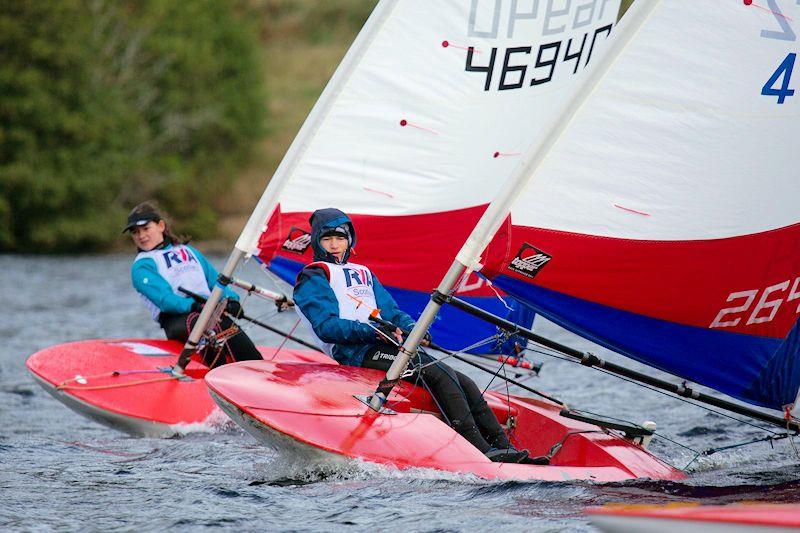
<point>151,208</point>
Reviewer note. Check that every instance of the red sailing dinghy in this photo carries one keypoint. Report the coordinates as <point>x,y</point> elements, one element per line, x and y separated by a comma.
<point>419,128</point>
<point>312,409</point>
<point>126,384</point>
<point>768,518</point>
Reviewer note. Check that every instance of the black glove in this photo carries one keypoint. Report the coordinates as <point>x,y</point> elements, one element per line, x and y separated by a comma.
<point>234,308</point>
<point>386,330</point>
<point>197,306</point>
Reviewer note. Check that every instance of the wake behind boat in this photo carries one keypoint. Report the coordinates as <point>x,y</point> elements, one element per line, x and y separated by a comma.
<point>128,385</point>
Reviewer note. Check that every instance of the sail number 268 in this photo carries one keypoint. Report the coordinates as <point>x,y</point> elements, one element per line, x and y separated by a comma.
<point>765,310</point>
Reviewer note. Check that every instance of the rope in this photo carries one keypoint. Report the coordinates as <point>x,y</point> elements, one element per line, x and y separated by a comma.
<point>286,338</point>
<point>116,385</point>
<point>664,393</point>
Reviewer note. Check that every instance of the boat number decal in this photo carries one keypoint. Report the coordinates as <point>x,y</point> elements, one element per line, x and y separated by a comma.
<point>521,66</point>
<point>778,83</point>
<point>297,241</point>
<point>769,302</point>
<point>529,261</point>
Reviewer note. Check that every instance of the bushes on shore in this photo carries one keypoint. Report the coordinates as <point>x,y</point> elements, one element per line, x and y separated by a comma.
<point>108,102</point>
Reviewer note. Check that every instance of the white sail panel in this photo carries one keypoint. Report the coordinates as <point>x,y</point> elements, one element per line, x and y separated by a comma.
<point>414,131</point>
<point>678,141</point>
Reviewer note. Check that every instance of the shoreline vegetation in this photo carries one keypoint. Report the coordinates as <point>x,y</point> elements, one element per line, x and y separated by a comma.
<point>111,102</point>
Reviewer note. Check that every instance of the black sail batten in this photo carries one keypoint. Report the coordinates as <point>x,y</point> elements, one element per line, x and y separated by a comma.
<point>592,360</point>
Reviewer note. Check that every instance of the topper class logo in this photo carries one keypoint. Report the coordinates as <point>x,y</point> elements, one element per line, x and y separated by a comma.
<point>297,241</point>
<point>529,261</point>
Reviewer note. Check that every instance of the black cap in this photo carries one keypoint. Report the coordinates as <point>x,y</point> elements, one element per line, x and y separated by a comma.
<point>140,217</point>
<point>339,231</point>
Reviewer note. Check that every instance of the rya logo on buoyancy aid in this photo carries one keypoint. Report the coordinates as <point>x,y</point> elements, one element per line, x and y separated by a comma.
<point>176,256</point>
<point>180,268</point>
<point>357,276</point>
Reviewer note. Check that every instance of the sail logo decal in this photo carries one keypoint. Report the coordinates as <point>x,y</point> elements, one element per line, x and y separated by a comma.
<point>297,241</point>
<point>529,261</point>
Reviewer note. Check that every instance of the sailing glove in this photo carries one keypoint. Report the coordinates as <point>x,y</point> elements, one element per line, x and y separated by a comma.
<point>234,308</point>
<point>387,330</point>
<point>196,307</point>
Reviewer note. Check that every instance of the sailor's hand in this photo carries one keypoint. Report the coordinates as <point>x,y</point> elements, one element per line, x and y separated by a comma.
<point>234,308</point>
<point>196,307</point>
<point>387,333</point>
<point>283,304</point>
<point>427,339</point>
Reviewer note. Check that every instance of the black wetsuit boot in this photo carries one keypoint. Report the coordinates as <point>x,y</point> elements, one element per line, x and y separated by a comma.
<point>502,449</point>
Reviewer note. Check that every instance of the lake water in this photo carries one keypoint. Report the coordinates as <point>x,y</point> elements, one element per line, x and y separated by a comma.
<point>61,471</point>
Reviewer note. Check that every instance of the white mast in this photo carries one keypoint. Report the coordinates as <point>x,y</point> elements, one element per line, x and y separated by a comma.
<point>248,240</point>
<point>468,258</point>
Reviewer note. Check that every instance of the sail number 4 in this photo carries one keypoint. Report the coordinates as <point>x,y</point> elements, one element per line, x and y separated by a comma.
<point>765,310</point>
<point>784,72</point>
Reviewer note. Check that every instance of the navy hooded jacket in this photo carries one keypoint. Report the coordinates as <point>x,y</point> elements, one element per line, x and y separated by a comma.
<point>315,298</point>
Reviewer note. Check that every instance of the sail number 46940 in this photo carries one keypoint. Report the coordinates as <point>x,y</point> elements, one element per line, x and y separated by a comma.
<point>765,310</point>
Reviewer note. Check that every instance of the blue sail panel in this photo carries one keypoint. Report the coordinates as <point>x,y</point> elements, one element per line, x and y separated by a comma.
<point>767,369</point>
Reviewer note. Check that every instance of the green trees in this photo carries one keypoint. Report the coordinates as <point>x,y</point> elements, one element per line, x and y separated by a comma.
<point>108,102</point>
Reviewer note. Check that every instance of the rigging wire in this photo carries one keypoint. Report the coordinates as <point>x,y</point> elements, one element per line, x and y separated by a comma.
<point>663,393</point>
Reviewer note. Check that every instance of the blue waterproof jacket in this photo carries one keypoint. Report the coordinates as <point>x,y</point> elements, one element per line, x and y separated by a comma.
<point>315,298</point>
<point>148,282</point>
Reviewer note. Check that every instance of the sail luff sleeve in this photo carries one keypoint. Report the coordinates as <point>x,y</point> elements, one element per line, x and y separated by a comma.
<point>498,210</point>
<point>256,225</point>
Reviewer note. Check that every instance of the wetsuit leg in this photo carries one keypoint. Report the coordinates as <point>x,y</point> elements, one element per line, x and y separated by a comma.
<point>238,347</point>
<point>443,384</point>
<point>484,417</point>
<point>175,326</point>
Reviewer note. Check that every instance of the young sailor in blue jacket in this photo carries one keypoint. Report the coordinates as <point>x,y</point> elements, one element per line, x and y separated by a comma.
<point>335,298</point>
<point>162,266</point>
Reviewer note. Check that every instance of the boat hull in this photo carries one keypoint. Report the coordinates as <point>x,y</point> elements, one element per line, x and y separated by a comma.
<point>125,384</point>
<point>771,518</point>
<point>314,408</point>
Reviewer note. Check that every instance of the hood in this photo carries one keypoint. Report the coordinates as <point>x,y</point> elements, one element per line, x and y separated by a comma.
<point>324,219</point>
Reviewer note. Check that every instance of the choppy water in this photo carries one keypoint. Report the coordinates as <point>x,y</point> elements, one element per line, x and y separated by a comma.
<point>61,471</point>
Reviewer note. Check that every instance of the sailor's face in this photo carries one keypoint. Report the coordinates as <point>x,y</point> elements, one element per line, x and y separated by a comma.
<point>335,245</point>
<point>148,236</point>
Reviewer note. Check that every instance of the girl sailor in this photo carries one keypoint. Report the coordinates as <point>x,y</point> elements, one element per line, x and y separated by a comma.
<point>335,298</point>
<point>162,266</point>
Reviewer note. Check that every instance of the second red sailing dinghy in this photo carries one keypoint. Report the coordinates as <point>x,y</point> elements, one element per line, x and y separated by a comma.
<point>127,384</point>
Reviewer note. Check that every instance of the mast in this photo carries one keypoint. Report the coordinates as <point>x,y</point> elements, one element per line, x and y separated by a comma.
<point>468,258</point>
<point>256,224</point>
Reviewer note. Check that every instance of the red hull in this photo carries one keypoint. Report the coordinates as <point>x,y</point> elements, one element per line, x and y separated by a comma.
<point>312,406</point>
<point>118,383</point>
<point>739,517</point>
